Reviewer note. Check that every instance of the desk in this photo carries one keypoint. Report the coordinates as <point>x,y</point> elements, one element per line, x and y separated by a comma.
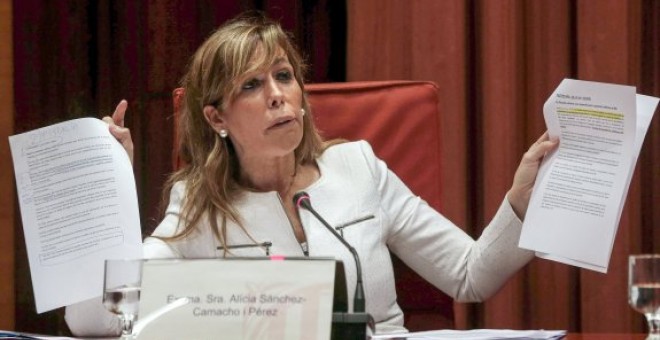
<point>593,336</point>
<point>605,336</point>
<point>569,336</point>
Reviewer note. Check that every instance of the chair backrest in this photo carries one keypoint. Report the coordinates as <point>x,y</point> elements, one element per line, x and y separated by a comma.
<point>400,119</point>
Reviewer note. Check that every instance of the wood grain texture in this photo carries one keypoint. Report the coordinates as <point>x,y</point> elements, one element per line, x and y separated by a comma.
<point>501,91</point>
<point>611,53</point>
<point>7,206</point>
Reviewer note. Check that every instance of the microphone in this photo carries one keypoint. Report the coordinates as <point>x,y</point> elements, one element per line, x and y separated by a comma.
<point>301,199</point>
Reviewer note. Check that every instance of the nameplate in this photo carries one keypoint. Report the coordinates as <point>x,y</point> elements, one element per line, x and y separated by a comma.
<point>239,298</point>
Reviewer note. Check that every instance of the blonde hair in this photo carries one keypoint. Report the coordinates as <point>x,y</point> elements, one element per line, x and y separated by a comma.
<point>211,166</point>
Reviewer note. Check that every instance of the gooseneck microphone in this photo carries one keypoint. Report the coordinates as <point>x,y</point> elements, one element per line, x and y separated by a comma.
<point>301,199</point>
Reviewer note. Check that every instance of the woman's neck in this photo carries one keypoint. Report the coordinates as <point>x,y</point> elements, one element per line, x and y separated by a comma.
<point>276,174</point>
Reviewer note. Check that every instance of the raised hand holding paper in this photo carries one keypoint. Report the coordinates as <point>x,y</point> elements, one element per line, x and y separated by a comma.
<point>78,203</point>
<point>580,190</point>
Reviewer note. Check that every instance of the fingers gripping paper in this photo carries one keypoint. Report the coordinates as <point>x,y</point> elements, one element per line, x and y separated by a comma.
<point>580,189</point>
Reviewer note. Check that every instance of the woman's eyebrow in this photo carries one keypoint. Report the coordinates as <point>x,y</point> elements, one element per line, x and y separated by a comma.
<point>280,60</point>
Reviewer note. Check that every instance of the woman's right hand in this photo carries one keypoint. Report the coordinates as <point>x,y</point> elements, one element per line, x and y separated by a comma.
<point>525,177</point>
<point>117,129</point>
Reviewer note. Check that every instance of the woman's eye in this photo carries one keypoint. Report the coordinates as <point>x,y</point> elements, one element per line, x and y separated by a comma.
<point>284,75</point>
<point>250,84</point>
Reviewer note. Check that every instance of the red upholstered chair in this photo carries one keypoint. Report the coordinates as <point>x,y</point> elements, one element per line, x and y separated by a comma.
<point>401,121</point>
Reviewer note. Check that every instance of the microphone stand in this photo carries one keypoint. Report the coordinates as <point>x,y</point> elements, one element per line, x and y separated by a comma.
<point>356,325</point>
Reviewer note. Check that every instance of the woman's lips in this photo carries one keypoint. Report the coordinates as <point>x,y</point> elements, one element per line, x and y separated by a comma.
<point>281,122</point>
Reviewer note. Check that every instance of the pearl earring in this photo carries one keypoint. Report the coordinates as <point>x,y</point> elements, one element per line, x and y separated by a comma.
<point>302,112</point>
<point>224,133</point>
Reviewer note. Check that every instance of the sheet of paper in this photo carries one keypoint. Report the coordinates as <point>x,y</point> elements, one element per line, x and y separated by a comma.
<point>27,336</point>
<point>645,108</point>
<point>580,190</point>
<point>79,206</point>
<point>476,334</point>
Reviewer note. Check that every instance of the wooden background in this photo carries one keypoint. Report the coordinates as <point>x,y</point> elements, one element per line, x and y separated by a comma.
<point>6,175</point>
<point>496,63</point>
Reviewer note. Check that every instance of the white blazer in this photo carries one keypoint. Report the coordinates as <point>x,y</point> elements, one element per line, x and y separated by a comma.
<point>353,184</point>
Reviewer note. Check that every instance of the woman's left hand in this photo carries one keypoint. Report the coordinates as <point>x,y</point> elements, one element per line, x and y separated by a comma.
<point>117,129</point>
<point>523,180</point>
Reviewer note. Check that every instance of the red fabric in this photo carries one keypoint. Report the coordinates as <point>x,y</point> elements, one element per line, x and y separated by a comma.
<point>401,121</point>
<point>399,118</point>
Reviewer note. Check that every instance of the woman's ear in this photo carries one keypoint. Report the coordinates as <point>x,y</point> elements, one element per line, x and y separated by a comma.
<point>214,118</point>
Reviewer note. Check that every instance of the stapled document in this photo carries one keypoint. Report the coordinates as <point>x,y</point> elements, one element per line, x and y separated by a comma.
<point>580,190</point>
<point>78,202</point>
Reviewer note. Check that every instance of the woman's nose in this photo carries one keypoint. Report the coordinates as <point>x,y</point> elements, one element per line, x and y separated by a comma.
<point>275,94</point>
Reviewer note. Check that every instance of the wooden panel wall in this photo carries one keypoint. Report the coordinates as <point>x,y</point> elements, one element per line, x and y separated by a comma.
<point>6,173</point>
<point>612,53</point>
<point>496,62</point>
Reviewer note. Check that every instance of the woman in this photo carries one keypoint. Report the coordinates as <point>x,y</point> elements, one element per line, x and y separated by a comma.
<point>249,144</point>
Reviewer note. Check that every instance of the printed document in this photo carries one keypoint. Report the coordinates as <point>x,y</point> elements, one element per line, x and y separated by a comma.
<point>580,191</point>
<point>78,202</point>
